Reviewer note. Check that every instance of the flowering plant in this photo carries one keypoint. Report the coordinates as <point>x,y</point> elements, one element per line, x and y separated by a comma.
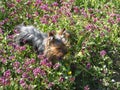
<point>92,62</point>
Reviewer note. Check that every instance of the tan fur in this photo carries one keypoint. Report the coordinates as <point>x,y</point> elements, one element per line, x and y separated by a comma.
<point>53,49</point>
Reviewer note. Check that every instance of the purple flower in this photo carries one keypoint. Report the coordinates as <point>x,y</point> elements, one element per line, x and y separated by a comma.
<point>7,74</point>
<point>10,5</point>
<point>16,64</point>
<point>4,81</point>
<point>19,71</point>
<point>22,83</point>
<point>89,27</point>
<point>50,84</point>
<point>32,61</point>
<point>12,57</point>
<point>44,7</point>
<point>36,13</point>
<point>28,2</point>
<point>38,2</point>
<point>83,12</point>
<point>88,65</point>
<point>28,15</point>
<point>36,71</point>
<point>54,18</point>
<point>41,57</point>
<point>86,87</point>
<point>29,69</point>
<point>68,13</point>
<point>4,61</point>
<point>55,4</point>
<point>61,79</point>
<point>118,19</point>
<point>18,1</point>
<point>24,75</point>
<point>27,62</point>
<point>95,19</point>
<point>112,14</point>
<point>103,53</point>
<point>76,9</point>
<point>10,37</point>
<point>111,21</point>
<point>13,13</point>
<point>22,48</point>
<point>45,62</point>
<point>44,20</point>
<point>2,10</point>
<point>56,66</point>
<point>102,34</point>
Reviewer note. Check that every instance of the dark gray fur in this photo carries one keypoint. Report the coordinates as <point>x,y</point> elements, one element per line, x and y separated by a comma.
<point>32,36</point>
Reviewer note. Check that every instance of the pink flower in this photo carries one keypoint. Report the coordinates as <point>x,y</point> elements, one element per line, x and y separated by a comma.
<point>28,2</point>
<point>12,57</point>
<point>84,13</point>
<point>56,66</point>
<point>28,15</point>
<point>44,7</point>
<point>36,13</point>
<point>23,83</point>
<point>76,9</point>
<point>4,81</point>
<point>4,61</point>
<point>95,19</point>
<point>19,71</point>
<point>2,10</point>
<point>103,53</point>
<point>86,87</point>
<point>54,19</point>
<point>22,48</point>
<point>44,20</point>
<point>24,75</point>
<point>18,1</point>
<point>111,21</point>
<point>16,64</point>
<point>89,27</point>
<point>55,4</point>
<point>10,5</point>
<point>7,74</point>
<point>118,20</point>
<point>45,62</point>
<point>38,2</point>
<point>50,84</point>
<point>32,61</point>
<point>36,71</point>
<point>88,65</point>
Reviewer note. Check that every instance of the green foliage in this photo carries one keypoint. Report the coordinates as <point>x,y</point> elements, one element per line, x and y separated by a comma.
<point>92,62</point>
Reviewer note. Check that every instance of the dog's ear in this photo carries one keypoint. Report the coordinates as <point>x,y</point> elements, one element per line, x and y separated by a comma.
<point>61,32</point>
<point>51,35</point>
<point>64,33</point>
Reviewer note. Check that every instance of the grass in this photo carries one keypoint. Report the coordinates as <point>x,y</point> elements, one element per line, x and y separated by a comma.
<point>92,62</point>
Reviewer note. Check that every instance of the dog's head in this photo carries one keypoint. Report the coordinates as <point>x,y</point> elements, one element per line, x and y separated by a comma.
<point>55,46</point>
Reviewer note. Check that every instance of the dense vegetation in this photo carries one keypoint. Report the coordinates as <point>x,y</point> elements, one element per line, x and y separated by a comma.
<point>93,60</point>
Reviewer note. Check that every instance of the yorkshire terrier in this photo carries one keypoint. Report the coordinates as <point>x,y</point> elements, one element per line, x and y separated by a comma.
<point>52,45</point>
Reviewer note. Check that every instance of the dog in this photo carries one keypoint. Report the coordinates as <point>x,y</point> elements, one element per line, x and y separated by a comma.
<point>52,45</point>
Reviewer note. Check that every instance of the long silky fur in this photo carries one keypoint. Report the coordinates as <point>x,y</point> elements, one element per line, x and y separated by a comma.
<point>32,36</point>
